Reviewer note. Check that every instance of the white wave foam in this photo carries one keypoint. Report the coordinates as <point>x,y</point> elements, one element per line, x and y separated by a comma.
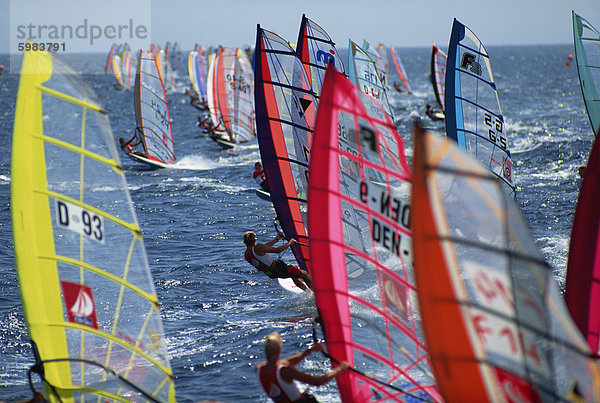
<point>215,184</point>
<point>196,162</point>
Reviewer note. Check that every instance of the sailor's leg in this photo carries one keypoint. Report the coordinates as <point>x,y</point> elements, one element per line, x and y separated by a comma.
<point>299,276</point>
<point>299,283</point>
<point>307,279</point>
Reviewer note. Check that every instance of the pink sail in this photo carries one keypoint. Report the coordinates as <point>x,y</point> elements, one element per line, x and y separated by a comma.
<point>359,233</point>
<point>582,292</point>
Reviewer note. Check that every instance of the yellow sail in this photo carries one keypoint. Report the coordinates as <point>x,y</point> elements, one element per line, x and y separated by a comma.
<point>86,288</point>
<point>116,62</point>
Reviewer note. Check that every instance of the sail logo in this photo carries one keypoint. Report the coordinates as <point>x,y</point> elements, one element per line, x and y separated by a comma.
<point>79,304</point>
<point>302,105</point>
<point>395,296</point>
<point>468,60</point>
<point>514,388</point>
<point>507,168</point>
<point>325,57</point>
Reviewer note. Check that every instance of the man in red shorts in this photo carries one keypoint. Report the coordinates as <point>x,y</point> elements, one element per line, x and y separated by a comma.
<point>258,255</point>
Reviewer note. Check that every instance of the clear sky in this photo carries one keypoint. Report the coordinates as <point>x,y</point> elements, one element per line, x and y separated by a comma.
<point>393,22</point>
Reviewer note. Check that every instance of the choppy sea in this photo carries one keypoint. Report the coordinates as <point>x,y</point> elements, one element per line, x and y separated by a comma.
<point>216,308</point>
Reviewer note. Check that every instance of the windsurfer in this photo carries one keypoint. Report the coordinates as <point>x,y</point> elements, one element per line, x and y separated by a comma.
<point>277,376</point>
<point>259,177</point>
<point>433,113</point>
<point>207,124</point>
<point>258,255</point>
<point>398,86</point>
<point>127,146</point>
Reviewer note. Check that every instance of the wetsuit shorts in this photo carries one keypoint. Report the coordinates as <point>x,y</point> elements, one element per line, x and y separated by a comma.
<point>284,270</point>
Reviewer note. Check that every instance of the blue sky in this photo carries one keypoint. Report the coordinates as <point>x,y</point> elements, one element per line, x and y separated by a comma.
<point>393,22</point>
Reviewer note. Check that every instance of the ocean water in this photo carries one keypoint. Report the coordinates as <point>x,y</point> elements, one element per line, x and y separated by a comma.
<point>216,308</point>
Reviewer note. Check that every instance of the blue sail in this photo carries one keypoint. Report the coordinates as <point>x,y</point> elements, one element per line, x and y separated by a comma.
<point>473,115</point>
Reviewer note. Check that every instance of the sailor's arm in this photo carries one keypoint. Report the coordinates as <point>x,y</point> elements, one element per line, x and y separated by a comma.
<point>274,240</point>
<point>296,358</point>
<point>290,373</point>
<point>265,247</point>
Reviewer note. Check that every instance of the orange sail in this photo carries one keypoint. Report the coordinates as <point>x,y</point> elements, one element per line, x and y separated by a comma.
<point>495,323</point>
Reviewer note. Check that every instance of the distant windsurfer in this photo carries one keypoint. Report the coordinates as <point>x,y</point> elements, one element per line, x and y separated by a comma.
<point>258,255</point>
<point>277,376</point>
<point>212,130</point>
<point>259,177</point>
<point>195,100</point>
<point>434,114</point>
<point>127,146</point>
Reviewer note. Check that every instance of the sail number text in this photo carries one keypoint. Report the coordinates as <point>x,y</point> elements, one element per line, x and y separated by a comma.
<point>159,113</point>
<point>394,209</point>
<point>80,220</point>
<point>238,82</point>
<point>495,131</point>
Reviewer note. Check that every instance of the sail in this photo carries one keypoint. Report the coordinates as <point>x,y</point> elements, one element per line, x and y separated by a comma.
<point>193,72</point>
<point>473,115</point>
<point>400,70</point>
<point>128,76</point>
<point>583,266</point>
<point>493,316</point>
<point>88,296</point>
<point>244,124</point>
<point>200,67</point>
<point>363,73</point>
<point>383,64</point>
<point>116,66</point>
<point>438,74</point>
<point>586,40</point>
<point>161,63</point>
<point>211,90</point>
<point>109,61</point>
<point>316,50</point>
<point>235,98</point>
<point>152,113</point>
<point>285,113</point>
<point>225,72</point>
<point>360,240</point>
